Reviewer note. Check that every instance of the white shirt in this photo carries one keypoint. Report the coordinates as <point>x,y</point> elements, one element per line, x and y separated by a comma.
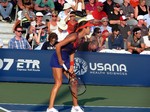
<point>147,19</point>
<point>62,15</point>
<point>1,43</point>
<point>107,28</point>
<point>61,35</point>
<point>146,41</point>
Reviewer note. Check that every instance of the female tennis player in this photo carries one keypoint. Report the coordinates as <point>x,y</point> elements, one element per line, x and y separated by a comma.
<point>64,54</point>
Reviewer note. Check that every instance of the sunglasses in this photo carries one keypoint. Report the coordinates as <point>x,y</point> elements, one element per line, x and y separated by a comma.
<point>19,31</point>
<point>99,32</point>
<point>54,15</point>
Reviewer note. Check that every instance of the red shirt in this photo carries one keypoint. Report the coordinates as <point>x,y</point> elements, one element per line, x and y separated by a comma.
<point>134,3</point>
<point>89,7</point>
<point>98,15</point>
<point>71,26</point>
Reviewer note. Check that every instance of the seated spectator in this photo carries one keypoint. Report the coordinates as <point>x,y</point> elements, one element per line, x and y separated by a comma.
<point>61,31</point>
<point>72,22</point>
<point>114,18</point>
<point>105,25</point>
<point>5,10</point>
<point>52,24</point>
<point>115,40</point>
<point>147,18</point>
<point>78,6</point>
<point>59,5</point>
<point>98,13</point>
<point>142,24</point>
<point>147,41</point>
<point>135,43</point>
<point>141,9</point>
<point>38,22</point>
<point>91,46</point>
<point>1,43</point>
<point>26,16</point>
<point>147,44</point>
<point>124,29</point>
<point>127,9</point>
<point>44,6</point>
<point>90,6</point>
<point>40,36</point>
<point>65,13</point>
<point>96,35</point>
<point>21,3</point>
<point>106,31</point>
<point>109,6</point>
<point>18,42</point>
<point>33,27</point>
<point>52,41</point>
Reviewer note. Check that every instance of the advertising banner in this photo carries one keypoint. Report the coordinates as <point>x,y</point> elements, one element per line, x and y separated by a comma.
<point>93,67</point>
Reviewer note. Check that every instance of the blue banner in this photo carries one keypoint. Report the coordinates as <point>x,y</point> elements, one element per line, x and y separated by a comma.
<point>93,67</point>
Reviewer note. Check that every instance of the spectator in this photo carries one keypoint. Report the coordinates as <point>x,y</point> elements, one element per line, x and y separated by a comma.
<point>72,22</point>
<point>5,10</point>
<point>44,6</point>
<point>91,46</point>
<point>40,36</point>
<point>38,22</point>
<point>105,25</point>
<point>141,9</point>
<point>115,40</point>
<point>147,18</point>
<point>90,6</point>
<point>59,5</point>
<point>21,3</point>
<point>52,24</point>
<point>127,9</point>
<point>135,43</point>
<point>109,6</point>
<point>18,42</point>
<point>33,27</point>
<point>96,35</point>
<point>114,18</point>
<point>106,31</point>
<point>26,16</point>
<point>125,30</point>
<point>1,43</point>
<point>78,6</point>
<point>147,42</point>
<point>61,31</point>
<point>141,23</point>
<point>52,41</point>
<point>98,13</point>
<point>65,14</point>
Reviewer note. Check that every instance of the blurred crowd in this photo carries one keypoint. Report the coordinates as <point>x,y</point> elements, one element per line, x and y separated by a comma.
<point>118,26</point>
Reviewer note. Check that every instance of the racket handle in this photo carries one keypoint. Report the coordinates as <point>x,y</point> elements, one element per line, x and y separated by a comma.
<point>64,66</point>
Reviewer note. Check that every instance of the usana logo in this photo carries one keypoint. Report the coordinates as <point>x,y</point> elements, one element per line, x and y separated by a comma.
<point>81,67</point>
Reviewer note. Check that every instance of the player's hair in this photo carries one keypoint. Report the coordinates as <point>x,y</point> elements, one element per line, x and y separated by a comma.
<point>79,25</point>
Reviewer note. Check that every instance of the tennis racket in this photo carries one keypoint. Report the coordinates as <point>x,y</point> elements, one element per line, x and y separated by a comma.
<point>76,85</point>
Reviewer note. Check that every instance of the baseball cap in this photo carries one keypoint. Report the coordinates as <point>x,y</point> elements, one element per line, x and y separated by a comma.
<point>140,17</point>
<point>104,19</point>
<point>99,4</point>
<point>123,18</point>
<point>39,14</point>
